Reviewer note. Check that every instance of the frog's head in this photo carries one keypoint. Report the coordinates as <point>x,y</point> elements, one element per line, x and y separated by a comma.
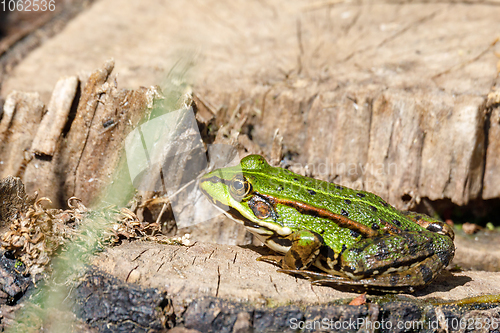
<point>226,187</point>
<point>231,191</point>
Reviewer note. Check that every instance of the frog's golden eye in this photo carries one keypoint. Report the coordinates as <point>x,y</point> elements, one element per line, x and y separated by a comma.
<point>239,187</point>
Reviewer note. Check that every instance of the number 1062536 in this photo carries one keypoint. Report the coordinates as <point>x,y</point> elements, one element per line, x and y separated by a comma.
<point>28,5</point>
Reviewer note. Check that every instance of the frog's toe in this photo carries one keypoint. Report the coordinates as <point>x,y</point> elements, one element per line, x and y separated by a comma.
<point>272,259</point>
<point>363,285</point>
<point>310,275</point>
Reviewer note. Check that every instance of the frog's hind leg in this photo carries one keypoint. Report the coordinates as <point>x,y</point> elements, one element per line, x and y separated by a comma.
<point>406,279</point>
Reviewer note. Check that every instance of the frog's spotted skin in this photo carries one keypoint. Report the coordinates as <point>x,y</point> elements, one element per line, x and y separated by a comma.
<point>354,238</point>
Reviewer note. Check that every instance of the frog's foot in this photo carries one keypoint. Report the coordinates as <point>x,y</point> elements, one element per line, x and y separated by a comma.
<point>346,284</point>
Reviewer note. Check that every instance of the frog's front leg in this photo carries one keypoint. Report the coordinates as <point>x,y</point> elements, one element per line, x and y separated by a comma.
<point>304,249</point>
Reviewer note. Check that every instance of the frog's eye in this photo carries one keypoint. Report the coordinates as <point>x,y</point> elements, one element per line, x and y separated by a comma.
<point>239,187</point>
<point>441,228</point>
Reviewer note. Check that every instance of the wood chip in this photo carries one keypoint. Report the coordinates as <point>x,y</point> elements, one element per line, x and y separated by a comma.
<point>56,117</point>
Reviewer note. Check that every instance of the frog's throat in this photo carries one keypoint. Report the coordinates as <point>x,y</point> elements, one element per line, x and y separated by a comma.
<point>307,209</point>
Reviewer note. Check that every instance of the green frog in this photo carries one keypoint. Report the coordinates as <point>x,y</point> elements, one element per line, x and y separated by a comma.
<point>330,234</point>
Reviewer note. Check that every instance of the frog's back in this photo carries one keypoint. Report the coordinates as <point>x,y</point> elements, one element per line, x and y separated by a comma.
<point>360,206</point>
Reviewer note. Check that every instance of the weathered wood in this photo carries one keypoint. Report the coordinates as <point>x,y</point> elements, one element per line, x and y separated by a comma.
<point>382,96</point>
<point>77,138</point>
<point>56,117</point>
<point>428,148</point>
<point>232,272</point>
<point>318,72</point>
<point>85,159</point>
<point>22,115</point>
<point>374,101</point>
<point>401,145</point>
<point>24,36</point>
<point>387,97</point>
<point>491,181</point>
<point>116,116</point>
